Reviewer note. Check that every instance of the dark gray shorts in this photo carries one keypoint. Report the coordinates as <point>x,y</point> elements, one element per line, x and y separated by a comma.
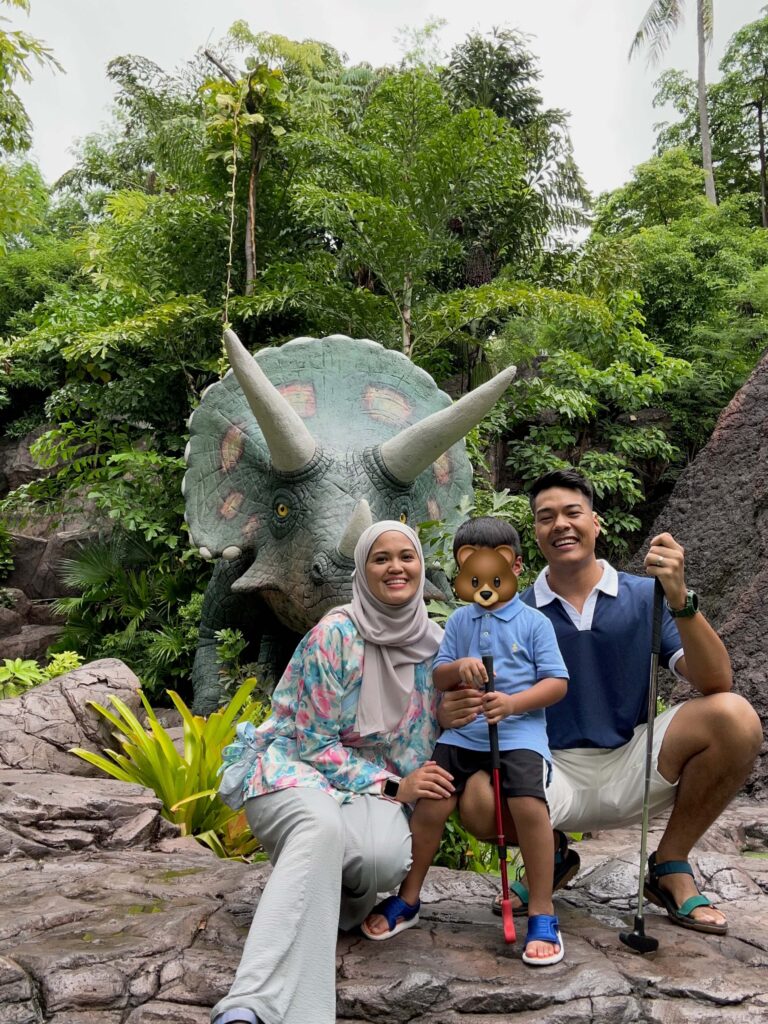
<point>521,772</point>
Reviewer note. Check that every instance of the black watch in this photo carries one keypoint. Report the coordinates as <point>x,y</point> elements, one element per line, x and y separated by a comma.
<point>391,788</point>
<point>689,609</point>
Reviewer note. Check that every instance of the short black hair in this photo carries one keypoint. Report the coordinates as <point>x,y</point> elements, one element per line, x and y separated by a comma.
<point>486,532</point>
<point>570,479</point>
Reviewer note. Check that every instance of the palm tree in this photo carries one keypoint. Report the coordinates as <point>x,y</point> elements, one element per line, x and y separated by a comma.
<point>661,20</point>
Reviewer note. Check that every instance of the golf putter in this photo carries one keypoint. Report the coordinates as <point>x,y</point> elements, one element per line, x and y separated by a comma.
<point>507,918</point>
<point>637,940</point>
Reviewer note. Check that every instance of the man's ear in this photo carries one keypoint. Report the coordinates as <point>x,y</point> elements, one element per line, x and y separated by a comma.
<point>463,554</point>
<point>507,552</point>
<point>596,520</point>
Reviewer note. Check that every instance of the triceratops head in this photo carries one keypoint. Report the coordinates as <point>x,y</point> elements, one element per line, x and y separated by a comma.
<point>285,471</point>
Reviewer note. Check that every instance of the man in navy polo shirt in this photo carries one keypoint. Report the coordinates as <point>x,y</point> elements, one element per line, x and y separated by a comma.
<point>703,749</point>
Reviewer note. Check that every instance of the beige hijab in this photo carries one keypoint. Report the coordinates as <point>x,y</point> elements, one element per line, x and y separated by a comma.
<point>397,638</point>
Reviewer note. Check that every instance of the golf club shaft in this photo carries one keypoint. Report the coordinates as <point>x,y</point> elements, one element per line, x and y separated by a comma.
<point>493,735</point>
<point>653,684</point>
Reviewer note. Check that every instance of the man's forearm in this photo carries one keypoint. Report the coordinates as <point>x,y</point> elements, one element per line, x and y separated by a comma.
<point>705,662</point>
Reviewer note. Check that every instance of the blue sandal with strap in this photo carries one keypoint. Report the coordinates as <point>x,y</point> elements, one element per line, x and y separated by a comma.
<point>544,928</point>
<point>392,908</point>
<point>678,914</point>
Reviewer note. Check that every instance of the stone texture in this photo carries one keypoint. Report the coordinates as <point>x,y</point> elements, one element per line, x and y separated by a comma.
<point>152,934</point>
<point>718,511</point>
<point>38,728</point>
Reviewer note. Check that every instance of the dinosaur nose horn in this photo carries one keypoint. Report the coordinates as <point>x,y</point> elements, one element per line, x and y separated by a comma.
<point>291,446</point>
<point>415,449</point>
<point>360,520</point>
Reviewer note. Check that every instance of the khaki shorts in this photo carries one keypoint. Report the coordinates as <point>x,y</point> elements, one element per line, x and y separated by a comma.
<point>602,789</point>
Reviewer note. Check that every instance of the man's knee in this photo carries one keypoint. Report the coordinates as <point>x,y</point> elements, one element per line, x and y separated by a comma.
<point>725,723</point>
<point>477,809</point>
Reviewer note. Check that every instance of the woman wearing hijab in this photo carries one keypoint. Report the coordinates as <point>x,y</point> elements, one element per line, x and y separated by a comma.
<point>326,780</point>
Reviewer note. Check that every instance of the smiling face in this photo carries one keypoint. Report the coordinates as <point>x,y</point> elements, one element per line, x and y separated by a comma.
<point>393,568</point>
<point>566,526</point>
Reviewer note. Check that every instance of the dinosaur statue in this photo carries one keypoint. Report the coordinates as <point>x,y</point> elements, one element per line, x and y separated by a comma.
<point>291,456</point>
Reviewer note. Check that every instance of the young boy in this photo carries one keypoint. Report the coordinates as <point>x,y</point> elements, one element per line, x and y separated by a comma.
<point>530,675</point>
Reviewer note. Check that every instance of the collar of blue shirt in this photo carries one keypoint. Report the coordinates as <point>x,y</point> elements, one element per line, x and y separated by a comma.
<point>607,584</point>
<point>506,613</point>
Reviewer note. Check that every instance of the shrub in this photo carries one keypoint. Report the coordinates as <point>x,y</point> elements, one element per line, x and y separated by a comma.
<point>186,783</point>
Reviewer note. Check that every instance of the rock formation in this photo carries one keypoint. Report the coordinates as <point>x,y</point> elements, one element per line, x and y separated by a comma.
<point>718,511</point>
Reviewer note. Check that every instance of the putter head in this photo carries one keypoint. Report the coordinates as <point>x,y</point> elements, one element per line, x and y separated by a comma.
<point>637,940</point>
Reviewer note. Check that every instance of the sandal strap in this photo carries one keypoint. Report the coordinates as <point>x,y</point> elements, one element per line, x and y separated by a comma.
<point>543,928</point>
<point>393,907</point>
<point>668,867</point>
<point>520,890</point>
<point>685,908</point>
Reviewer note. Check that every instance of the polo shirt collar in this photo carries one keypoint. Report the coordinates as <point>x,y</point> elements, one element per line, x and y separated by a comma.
<point>607,584</point>
<point>512,608</point>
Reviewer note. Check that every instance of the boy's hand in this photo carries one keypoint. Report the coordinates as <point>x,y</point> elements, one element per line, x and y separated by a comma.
<point>472,674</point>
<point>497,706</point>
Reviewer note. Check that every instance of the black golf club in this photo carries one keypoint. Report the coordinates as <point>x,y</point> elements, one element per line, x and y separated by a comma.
<point>637,939</point>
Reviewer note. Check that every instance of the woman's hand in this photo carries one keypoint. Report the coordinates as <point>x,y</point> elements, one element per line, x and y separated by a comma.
<point>459,707</point>
<point>430,782</point>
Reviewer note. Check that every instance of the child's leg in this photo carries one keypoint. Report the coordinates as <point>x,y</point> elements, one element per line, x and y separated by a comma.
<point>534,836</point>
<point>427,824</point>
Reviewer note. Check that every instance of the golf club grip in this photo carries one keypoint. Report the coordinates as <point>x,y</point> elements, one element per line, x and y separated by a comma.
<point>493,732</point>
<point>658,608</point>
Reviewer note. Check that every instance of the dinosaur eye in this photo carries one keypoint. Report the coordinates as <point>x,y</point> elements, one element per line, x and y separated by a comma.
<point>475,582</point>
<point>403,517</point>
<point>282,510</point>
<point>496,581</point>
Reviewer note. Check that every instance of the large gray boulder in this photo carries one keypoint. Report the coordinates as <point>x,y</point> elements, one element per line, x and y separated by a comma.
<point>38,728</point>
<point>718,511</point>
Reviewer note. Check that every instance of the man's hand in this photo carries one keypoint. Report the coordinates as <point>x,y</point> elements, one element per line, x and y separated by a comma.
<point>459,707</point>
<point>666,561</point>
<point>430,782</point>
<point>497,706</point>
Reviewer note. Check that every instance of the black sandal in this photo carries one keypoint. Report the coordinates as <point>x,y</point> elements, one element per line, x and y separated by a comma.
<point>567,865</point>
<point>678,914</point>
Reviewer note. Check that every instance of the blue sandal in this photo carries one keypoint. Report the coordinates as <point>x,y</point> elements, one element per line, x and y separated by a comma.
<point>679,914</point>
<point>392,908</point>
<point>238,1015</point>
<point>544,928</point>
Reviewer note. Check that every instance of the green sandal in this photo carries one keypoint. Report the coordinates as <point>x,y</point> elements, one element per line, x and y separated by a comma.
<point>567,864</point>
<point>661,898</point>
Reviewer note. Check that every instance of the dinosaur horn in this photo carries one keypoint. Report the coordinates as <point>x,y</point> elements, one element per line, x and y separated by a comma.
<point>290,444</point>
<point>414,449</point>
<point>360,520</point>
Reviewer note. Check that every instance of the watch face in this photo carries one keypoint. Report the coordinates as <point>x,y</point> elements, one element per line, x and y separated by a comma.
<point>391,788</point>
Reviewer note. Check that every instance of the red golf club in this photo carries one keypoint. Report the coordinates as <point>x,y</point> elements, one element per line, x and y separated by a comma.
<point>507,918</point>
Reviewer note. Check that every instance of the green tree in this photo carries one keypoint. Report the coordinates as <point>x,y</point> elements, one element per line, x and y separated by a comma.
<point>661,20</point>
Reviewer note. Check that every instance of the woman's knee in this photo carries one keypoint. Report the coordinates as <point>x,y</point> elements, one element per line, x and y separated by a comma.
<point>301,816</point>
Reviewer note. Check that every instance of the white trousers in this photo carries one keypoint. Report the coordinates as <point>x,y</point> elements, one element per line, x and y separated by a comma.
<point>329,862</point>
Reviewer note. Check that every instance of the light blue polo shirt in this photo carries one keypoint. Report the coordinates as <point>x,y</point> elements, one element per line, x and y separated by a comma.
<point>522,642</point>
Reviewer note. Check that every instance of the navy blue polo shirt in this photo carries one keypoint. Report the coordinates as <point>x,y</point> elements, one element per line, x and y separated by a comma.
<point>608,665</point>
<point>524,651</point>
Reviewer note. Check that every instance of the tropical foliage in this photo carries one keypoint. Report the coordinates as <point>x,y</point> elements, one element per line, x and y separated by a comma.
<point>427,206</point>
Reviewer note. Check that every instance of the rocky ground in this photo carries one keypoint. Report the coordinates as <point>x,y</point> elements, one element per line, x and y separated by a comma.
<point>108,917</point>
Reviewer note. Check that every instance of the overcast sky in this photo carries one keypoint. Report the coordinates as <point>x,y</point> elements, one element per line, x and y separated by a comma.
<point>581,45</point>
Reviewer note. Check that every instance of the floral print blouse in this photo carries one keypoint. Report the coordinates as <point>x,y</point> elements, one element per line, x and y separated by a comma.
<point>309,740</point>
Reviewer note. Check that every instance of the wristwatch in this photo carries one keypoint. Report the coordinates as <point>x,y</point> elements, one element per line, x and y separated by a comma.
<point>391,788</point>
<point>689,609</point>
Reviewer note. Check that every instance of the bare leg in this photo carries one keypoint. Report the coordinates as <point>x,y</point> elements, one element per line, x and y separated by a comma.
<point>534,835</point>
<point>427,824</point>
<point>710,746</point>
